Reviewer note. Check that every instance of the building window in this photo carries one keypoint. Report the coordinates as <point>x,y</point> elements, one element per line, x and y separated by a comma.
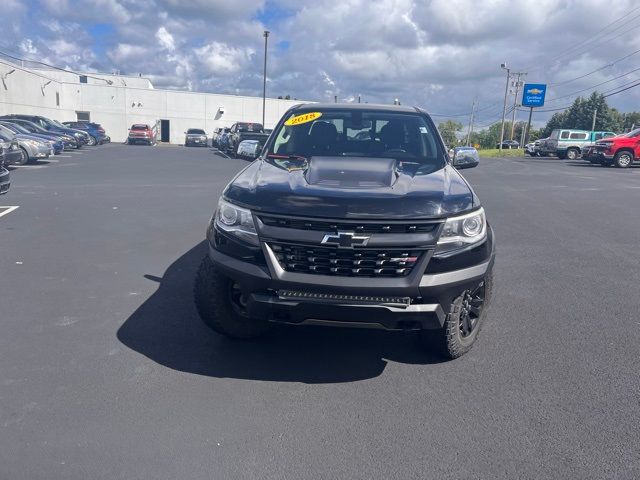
<point>83,116</point>
<point>83,79</point>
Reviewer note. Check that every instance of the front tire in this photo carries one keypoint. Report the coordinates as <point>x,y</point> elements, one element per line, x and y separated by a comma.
<point>463,323</point>
<point>221,304</point>
<point>24,157</point>
<point>623,159</point>
<point>92,141</point>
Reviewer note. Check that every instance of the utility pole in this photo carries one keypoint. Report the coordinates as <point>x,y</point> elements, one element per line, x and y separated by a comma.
<point>515,103</point>
<point>470,131</point>
<point>264,77</point>
<point>504,107</point>
<point>526,138</point>
<point>593,124</point>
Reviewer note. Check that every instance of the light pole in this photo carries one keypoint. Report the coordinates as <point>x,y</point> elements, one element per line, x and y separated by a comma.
<point>264,76</point>
<point>504,107</point>
<point>515,103</point>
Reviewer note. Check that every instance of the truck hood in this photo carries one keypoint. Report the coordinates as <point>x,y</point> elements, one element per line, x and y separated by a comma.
<point>351,187</point>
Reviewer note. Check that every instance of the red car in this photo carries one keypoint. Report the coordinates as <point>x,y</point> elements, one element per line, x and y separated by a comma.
<point>621,151</point>
<point>141,133</point>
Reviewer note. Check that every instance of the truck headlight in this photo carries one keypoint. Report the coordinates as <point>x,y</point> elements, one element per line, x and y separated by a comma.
<point>462,233</point>
<point>236,221</point>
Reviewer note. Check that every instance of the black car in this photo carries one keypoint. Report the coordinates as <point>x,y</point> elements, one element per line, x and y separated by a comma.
<point>195,137</point>
<point>242,131</point>
<point>329,227</point>
<point>5,177</point>
<point>509,144</point>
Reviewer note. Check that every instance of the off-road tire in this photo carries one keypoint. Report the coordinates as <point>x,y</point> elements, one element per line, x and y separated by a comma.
<point>623,159</point>
<point>447,341</point>
<point>213,301</point>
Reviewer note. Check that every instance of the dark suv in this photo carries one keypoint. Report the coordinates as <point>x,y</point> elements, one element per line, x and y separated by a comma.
<point>352,215</point>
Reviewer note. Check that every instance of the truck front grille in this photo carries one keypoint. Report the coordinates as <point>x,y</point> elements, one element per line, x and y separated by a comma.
<point>359,227</point>
<point>359,262</point>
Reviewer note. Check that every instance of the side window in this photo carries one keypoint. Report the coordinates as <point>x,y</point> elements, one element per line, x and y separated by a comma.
<point>578,136</point>
<point>564,135</point>
<point>609,134</point>
<point>598,136</point>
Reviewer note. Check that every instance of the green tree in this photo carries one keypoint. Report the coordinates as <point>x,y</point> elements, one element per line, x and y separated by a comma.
<point>449,131</point>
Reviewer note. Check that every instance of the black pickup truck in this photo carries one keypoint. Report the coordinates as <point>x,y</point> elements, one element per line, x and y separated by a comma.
<point>353,215</point>
<point>244,131</point>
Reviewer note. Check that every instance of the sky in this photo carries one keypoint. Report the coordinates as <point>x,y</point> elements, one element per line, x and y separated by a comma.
<point>441,55</point>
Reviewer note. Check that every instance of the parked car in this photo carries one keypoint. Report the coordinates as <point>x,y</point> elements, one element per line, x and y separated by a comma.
<point>5,177</point>
<point>509,144</point>
<point>53,126</point>
<point>568,143</point>
<point>195,137</point>
<point>141,133</point>
<point>621,151</point>
<point>244,131</point>
<point>12,152</point>
<point>32,149</point>
<point>96,133</point>
<point>56,145</point>
<point>223,140</point>
<point>217,133</point>
<point>68,141</point>
<point>325,229</point>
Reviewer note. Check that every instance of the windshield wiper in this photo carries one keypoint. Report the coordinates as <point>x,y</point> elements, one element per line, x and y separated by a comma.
<point>286,157</point>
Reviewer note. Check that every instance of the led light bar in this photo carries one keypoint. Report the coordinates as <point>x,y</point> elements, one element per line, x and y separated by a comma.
<point>400,302</point>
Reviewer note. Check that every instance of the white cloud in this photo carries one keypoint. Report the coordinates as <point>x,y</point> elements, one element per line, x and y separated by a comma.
<point>166,39</point>
<point>440,54</point>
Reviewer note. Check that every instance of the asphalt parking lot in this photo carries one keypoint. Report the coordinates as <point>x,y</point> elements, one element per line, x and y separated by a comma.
<point>107,372</point>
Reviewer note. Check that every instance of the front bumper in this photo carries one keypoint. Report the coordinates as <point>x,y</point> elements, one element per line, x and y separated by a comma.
<point>353,301</point>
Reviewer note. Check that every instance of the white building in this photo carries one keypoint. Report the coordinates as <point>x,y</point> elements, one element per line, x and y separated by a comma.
<point>118,101</point>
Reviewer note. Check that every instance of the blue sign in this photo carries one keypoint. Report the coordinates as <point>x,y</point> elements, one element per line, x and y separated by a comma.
<point>533,94</point>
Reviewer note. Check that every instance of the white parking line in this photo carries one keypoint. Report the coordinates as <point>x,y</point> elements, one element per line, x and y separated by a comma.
<point>64,156</point>
<point>32,167</point>
<point>7,211</point>
<point>51,160</point>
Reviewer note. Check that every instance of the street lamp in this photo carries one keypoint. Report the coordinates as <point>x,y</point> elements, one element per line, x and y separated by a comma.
<point>504,107</point>
<point>264,76</point>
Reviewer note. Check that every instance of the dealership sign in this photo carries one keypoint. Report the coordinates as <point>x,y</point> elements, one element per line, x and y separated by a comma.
<point>533,94</point>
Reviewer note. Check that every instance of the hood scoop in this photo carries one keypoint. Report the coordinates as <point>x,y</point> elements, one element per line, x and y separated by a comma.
<point>351,172</point>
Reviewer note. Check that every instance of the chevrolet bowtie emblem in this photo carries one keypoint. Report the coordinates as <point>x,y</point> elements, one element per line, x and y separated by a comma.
<point>345,239</point>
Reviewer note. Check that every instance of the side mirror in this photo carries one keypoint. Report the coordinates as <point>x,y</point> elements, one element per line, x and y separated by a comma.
<point>249,149</point>
<point>465,158</point>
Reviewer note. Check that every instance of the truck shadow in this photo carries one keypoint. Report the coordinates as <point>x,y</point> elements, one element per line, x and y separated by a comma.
<point>167,329</point>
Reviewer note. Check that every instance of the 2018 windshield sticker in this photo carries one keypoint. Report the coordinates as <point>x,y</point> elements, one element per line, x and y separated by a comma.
<point>304,118</point>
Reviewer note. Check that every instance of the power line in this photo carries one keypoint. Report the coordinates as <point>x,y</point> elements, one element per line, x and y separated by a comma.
<point>597,69</point>
<point>591,38</point>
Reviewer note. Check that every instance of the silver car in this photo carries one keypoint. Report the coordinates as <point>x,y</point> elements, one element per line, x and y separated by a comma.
<point>31,148</point>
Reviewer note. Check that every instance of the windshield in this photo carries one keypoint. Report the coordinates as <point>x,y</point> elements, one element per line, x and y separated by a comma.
<point>555,134</point>
<point>57,124</point>
<point>408,137</point>
<point>139,127</point>
<point>195,131</point>
<point>632,133</point>
<point>249,127</point>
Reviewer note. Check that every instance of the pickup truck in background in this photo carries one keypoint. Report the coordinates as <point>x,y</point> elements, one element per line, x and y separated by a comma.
<point>241,131</point>
<point>621,151</point>
<point>569,144</point>
<point>141,133</point>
